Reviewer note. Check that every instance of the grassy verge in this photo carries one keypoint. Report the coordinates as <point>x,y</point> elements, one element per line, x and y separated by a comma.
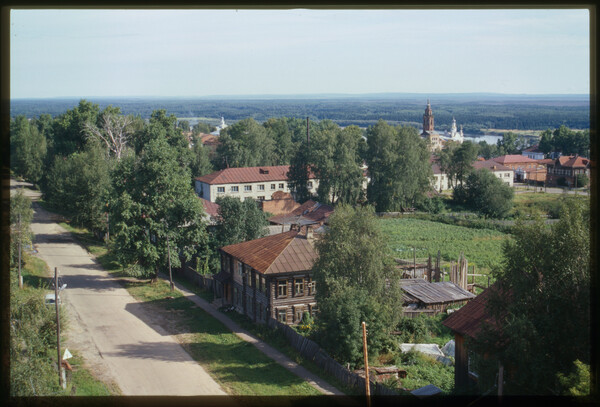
<point>33,345</point>
<point>239,367</point>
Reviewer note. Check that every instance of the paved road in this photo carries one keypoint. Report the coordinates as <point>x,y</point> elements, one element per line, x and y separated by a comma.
<point>140,359</point>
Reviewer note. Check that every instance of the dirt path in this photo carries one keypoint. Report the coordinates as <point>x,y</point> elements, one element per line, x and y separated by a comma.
<point>117,345</point>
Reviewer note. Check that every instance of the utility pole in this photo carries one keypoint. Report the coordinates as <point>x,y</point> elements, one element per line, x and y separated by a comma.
<point>169,253</point>
<point>56,299</point>
<point>20,244</point>
<point>367,384</point>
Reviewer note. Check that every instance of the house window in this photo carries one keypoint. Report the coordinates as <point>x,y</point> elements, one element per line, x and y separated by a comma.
<point>310,185</point>
<point>282,288</point>
<point>263,285</point>
<point>280,186</point>
<point>282,315</point>
<point>240,269</point>
<point>220,189</point>
<point>247,188</point>
<point>261,187</point>
<point>272,187</point>
<point>299,286</point>
<point>261,198</point>
<point>235,189</point>
<point>312,287</point>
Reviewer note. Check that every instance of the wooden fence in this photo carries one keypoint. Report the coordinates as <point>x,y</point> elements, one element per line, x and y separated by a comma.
<point>186,271</point>
<point>313,352</point>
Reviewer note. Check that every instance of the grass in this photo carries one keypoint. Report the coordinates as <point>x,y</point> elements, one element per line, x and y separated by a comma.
<point>481,247</point>
<point>546,204</point>
<point>278,341</point>
<point>36,278</point>
<point>239,367</point>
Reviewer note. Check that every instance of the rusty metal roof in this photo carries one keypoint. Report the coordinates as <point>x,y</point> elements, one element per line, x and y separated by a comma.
<point>468,319</point>
<point>309,212</point>
<point>281,253</point>
<point>435,293</point>
<point>210,208</point>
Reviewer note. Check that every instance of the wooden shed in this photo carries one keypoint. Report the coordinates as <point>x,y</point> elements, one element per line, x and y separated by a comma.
<point>420,294</point>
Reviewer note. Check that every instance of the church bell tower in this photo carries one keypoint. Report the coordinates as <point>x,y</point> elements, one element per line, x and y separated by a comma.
<point>428,118</point>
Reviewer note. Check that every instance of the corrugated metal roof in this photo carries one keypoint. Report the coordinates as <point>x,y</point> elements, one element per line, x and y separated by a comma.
<point>281,253</point>
<point>435,293</point>
<point>248,174</point>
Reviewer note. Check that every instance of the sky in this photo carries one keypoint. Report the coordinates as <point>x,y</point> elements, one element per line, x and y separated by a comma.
<point>196,53</point>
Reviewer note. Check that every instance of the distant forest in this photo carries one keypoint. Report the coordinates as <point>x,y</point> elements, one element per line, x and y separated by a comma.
<point>474,113</point>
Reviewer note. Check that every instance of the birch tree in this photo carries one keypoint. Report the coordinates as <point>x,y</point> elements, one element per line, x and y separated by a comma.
<point>115,130</point>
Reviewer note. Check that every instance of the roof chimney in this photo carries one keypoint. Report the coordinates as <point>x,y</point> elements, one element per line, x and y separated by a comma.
<point>309,234</point>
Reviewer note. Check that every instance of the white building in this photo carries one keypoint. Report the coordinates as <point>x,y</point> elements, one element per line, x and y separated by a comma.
<point>441,183</point>
<point>257,183</point>
<point>455,135</point>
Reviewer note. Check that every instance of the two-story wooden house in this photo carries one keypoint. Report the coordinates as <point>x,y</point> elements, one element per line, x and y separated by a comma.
<point>564,170</point>
<point>269,277</point>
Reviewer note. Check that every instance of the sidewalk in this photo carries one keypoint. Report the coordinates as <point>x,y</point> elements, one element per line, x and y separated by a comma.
<point>274,354</point>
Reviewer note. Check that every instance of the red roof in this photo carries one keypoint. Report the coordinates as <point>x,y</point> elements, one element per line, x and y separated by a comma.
<point>281,253</point>
<point>210,208</point>
<point>469,319</point>
<point>573,161</point>
<point>247,174</point>
<point>209,139</point>
<point>513,159</point>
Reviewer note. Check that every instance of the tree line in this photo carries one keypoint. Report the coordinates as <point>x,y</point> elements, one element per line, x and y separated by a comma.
<point>499,113</point>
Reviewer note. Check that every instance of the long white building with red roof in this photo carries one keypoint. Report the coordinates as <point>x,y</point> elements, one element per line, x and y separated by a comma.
<point>258,183</point>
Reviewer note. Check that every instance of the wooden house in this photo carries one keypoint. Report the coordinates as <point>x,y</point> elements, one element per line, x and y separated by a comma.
<point>269,277</point>
<point>467,323</point>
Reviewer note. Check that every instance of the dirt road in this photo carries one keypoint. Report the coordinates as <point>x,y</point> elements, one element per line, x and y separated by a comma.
<point>119,347</point>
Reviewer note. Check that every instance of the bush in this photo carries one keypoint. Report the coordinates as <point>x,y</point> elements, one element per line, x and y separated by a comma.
<point>581,181</point>
<point>433,205</point>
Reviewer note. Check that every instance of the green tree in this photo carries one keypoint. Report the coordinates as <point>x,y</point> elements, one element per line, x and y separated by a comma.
<point>510,143</point>
<point>200,164</point>
<point>80,185</point>
<point>485,193</point>
<point>245,144</point>
<point>298,174</point>
<point>202,128</point>
<point>153,200</point>
<point>355,283</point>
<point>542,305</point>
<point>456,161</point>
<point>399,167</point>
<point>21,215</point>
<point>336,162</point>
<point>546,146</point>
<point>69,132</point>
<point>27,149</point>
<point>239,221</point>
